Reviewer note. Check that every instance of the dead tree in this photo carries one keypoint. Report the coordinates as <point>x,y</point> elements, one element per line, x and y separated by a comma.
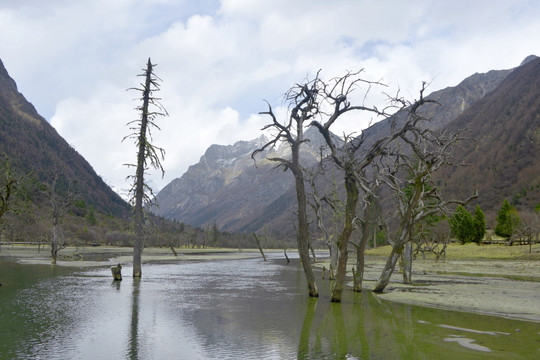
<point>8,184</point>
<point>316,202</point>
<point>148,155</point>
<point>303,106</point>
<point>417,195</point>
<point>353,158</point>
<point>369,223</point>
<point>259,246</point>
<point>61,200</point>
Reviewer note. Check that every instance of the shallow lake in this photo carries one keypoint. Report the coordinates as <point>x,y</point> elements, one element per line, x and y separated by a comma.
<point>231,309</point>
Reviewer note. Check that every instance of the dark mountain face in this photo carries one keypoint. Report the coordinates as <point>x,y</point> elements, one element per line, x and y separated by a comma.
<point>504,151</point>
<point>33,145</point>
<point>227,189</point>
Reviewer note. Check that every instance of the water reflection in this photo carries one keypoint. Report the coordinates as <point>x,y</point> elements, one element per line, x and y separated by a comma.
<point>244,309</point>
<point>134,328</point>
<point>305,334</point>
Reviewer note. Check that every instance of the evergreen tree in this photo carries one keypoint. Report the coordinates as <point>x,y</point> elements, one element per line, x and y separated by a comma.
<point>507,220</point>
<point>462,225</point>
<point>479,223</point>
<point>91,216</point>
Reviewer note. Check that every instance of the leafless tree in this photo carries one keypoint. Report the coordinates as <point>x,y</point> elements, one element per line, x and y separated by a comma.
<point>61,200</point>
<point>528,229</point>
<point>8,183</point>
<point>409,175</point>
<point>148,155</point>
<point>353,158</point>
<point>303,107</point>
<point>317,201</point>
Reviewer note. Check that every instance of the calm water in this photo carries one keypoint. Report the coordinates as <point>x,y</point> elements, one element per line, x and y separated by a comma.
<point>234,309</point>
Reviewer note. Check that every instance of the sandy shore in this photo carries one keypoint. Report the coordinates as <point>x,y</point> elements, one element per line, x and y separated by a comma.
<point>508,288</point>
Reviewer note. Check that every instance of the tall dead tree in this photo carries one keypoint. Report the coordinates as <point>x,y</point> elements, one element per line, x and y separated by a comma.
<point>303,107</point>
<point>148,155</point>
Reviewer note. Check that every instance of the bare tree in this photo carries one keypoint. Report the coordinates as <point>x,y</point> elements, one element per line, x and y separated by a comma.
<point>8,183</point>
<point>417,195</point>
<point>302,102</point>
<point>528,229</point>
<point>316,201</point>
<point>353,158</point>
<point>7,186</point>
<point>61,200</point>
<point>369,223</point>
<point>148,155</point>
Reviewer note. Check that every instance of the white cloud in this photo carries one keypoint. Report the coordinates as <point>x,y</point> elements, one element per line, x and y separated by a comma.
<point>219,60</point>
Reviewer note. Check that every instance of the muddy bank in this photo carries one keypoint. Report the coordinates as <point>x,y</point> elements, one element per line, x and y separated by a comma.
<point>508,288</point>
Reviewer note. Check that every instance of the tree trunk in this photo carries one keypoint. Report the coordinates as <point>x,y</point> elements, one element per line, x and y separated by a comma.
<point>389,267</point>
<point>302,237</point>
<point>259,245</point>
<point>407,263</point>
<point>350,211</point>
<point>332,247</point>
<point>360,262</point>
<point>54,242</point>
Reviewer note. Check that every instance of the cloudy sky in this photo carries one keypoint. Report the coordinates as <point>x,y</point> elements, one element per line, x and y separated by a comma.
<point>219,59</point>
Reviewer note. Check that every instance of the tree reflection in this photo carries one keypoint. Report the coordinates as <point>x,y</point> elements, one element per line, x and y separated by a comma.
<point>339,342</point>
<point>134,328</point>
<point>305,334</point>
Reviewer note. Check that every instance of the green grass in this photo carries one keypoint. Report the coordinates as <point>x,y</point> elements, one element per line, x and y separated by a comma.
<point>472,251</point>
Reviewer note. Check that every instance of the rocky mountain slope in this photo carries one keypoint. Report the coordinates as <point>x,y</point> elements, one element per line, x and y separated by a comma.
<point>33,146</point>
<point>226,189</point>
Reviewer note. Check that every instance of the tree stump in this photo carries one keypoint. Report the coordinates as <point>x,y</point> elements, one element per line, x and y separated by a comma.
<point>117,272</point>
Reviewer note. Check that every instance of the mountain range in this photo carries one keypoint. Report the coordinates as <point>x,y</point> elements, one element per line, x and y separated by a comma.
<point>499,110</point>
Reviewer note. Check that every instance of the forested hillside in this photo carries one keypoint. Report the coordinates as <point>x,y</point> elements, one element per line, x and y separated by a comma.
<point>502,155</point>
<point>33,146</point>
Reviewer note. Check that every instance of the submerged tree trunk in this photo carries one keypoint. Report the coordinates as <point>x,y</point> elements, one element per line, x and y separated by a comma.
<point>302,237</point>
<point>117,272</point>
<point>360,263</point>
<point>389,267</point>
<point>350,210</point>
<point>259,245</point>
<point>407,263</point>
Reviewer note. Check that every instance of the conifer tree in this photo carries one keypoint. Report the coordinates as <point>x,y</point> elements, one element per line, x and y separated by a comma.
<point>479,223</point>
<point>507,220</point>
<point>462,225</point>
